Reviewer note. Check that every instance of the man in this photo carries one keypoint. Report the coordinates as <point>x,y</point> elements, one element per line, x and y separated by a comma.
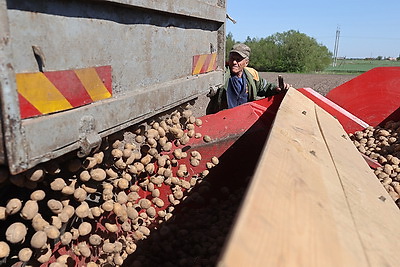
<point>242,84</point>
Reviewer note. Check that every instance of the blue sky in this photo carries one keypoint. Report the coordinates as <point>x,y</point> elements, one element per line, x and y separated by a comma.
<point>367,28</point>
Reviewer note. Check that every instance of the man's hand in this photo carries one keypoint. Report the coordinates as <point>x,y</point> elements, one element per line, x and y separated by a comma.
<point>285,87</point>
<point>281,85</point>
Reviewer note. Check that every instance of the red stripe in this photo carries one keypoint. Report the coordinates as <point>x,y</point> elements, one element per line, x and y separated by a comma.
<point>206,63</point>
<point>104,73</point>
<point>70,87</point>
<point>195,60</point>
<point>26,108</point>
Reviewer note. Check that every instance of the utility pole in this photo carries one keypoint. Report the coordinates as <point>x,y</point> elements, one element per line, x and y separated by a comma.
<point>336,48</point>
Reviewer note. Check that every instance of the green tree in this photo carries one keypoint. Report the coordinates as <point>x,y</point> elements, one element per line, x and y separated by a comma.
<point>298,52</point>
<point>289,51</point>
<point>262,54</point>
<point>229,44</point>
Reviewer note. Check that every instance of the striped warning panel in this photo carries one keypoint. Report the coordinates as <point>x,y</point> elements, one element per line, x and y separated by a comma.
<point>46,92</point>
<point>204,63</point>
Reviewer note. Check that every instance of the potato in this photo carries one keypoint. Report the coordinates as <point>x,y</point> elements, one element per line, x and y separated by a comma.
<point>56,221</point>
<point>96,211</point>
<point>132,213</point>
<point>84,249</point>
<point>25,254</point>
<point>82,211</point>
<point>84,228</point>
<point>151,212</point>
<point>120,164</point>
<point>38,195</point>
<point>63,259</point>
<point>39,240</point>
<point>89,187</point>
<point>38,223</point>
<point>51,231</point>
<point>84,176</point>
<point>108,247</point>
<point>4,249</point>
<point>55,206</point>
<point>144,203</point>
<point>167,147</point>
<point>118,260</point>
<point>130,247</point>
<point>111,227</point>
<point>123,184</point>
<point>198,122</point>
<point>215,160</point>
<point>99,157</point>
<point>66,238</point>
<point>58,184</point>
<point>16,233</point>
<point>122,198</point>
<point>29,210</point>
<point>150,168</point>
<point>13,206</point>
<point>80,194</point>
<point>207,138</point>
<point>98,174</point>
<point>45,255</point>
<point>111,173</point>
<point>95,240</point>
<point>69,210</point>
<point>146,159</point>
<point>3,214</point>
<point>36,175</point>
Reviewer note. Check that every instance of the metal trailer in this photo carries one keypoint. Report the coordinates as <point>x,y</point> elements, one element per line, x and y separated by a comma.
<point>73,72</point>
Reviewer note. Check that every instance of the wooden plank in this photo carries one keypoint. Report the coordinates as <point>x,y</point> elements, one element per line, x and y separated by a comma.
<point>295,212</point>
<point>375,214</point>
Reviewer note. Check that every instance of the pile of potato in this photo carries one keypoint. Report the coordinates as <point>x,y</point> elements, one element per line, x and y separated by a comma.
<point>93,211</point>
<point>383,145</point>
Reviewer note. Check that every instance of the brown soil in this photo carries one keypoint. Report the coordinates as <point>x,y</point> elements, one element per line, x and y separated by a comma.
<point>322,83</point>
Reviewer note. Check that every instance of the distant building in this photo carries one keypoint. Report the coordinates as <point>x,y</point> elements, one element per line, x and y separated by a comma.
<point>392,58</point>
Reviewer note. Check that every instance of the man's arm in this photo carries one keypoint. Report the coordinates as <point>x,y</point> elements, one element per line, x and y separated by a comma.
<point>265,88</point>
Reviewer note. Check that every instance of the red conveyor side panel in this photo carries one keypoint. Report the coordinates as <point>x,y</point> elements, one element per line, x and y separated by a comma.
<point>349,122</point>
<point>373,96</point>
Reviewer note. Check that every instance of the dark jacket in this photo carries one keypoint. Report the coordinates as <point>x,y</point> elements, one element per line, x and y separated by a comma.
<point>256,86</point>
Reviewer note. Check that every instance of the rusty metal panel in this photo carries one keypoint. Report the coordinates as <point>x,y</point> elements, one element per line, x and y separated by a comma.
<point>12,133</point>
<point>148,45</point>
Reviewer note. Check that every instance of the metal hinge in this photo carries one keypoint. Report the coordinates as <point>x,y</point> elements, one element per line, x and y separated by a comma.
<point>89,139</point>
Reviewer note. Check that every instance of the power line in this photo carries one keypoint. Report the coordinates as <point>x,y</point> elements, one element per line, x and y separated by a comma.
<point>336,48</point>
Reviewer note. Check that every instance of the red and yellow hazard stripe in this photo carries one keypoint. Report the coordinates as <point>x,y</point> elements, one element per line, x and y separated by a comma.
<point>48,92</point>
<point>204,63</point>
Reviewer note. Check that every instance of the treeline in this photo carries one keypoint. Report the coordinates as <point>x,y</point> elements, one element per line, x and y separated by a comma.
<point>289,51</point>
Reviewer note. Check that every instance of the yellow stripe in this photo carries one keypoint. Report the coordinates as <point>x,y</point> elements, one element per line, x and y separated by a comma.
<point>92,83</point>
<point>199,64</point>
<point>41,93</point>
<point>212,61</point>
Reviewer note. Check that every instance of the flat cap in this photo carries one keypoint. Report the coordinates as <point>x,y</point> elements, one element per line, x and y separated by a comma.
<point>241,49</point>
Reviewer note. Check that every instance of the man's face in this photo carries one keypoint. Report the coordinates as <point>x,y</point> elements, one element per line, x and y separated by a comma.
<point>237,63</point>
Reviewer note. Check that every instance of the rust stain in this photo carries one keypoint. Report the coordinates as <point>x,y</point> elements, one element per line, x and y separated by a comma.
<point>5,40</point>
<point>10,66</point>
